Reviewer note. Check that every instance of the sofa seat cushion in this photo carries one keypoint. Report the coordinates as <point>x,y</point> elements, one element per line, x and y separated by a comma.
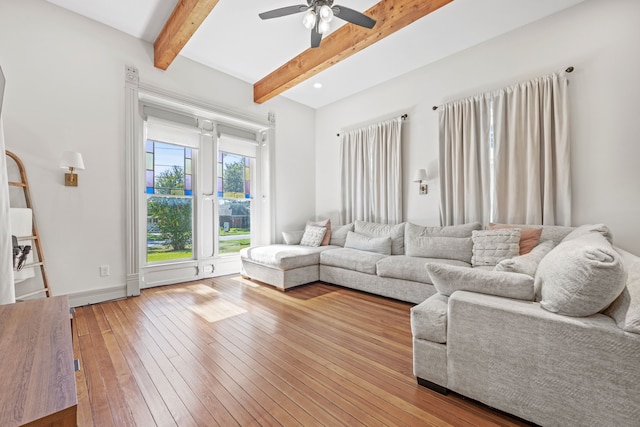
<point>351,259</point>
<point>429,319</point>
<point>411,268</point>
<point>284,257</point>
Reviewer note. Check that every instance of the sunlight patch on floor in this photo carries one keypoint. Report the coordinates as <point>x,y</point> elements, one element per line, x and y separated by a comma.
<point>214,309</point>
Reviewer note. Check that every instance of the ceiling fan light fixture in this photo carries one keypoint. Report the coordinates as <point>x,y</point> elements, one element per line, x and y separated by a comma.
<point>326,14</point>
<point>323,27</point>
<point>309,19</point>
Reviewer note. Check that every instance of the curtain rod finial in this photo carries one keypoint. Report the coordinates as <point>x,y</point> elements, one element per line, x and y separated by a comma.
<point>434,108</point>
<point>569,69</point>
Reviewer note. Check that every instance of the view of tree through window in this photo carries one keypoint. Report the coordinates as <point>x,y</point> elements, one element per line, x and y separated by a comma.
<point>169,202</point>
<point>234,202</point>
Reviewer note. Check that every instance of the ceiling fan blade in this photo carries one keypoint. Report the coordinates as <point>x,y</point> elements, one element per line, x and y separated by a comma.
<point>316,37</point>
<point>283,11</point>
<point>353,16</point>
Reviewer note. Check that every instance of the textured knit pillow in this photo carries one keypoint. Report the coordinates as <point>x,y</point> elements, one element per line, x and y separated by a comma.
<point>528,263</point>
<point>492,246</point>
<point>450,278</point>
<point>323,223</point>
<point>529,236</point>
<point>580,277</point>
<point>381,245</point>
<point>313,235</point>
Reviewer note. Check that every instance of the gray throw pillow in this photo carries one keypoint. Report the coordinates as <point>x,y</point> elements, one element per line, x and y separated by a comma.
<point>580,277</point>
<point>394,231</point>
<point>590,228</point>
<point>313,236</point>
<point>450,278</point>
<point>527,263</point>
<point>292,237</point>
<point>625,310</point>
<point>381,245</point>
<point>492,246</point>
<point>339,234</point>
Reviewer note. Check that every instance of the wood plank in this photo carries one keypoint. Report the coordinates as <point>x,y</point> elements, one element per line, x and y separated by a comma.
<point>181,25</point>
<point>227,351</point>
<point>37,379</point>
<point>391,16</point>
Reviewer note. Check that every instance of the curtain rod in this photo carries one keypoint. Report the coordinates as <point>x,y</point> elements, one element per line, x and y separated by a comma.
<point>569,69</point>
<point>403,117</point>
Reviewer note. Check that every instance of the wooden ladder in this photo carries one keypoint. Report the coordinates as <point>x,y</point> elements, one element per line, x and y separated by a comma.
<point>35,235</point>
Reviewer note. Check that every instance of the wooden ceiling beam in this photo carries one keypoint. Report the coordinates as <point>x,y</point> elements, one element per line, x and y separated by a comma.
<point>182,24</point>
<point>391,16</point>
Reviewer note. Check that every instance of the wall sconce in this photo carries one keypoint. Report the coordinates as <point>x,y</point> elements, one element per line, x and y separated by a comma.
<point>421,177</point>
<point>73,161</point>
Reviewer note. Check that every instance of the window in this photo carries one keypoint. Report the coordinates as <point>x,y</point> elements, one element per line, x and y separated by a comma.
<point>198,188</point>
<point>168,186</point>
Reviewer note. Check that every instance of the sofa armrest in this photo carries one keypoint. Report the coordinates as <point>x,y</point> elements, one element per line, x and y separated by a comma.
<point>541,366</point>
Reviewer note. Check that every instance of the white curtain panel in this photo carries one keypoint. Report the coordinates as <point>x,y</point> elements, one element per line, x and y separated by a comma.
<point>7,288</point>
<point>465,128</point>
<point>371,173</point>
<point>532,159</point>
<point>505,156</point>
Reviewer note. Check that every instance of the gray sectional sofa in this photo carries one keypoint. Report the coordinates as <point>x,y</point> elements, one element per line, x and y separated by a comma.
<point>551,336</point>
<point>383,259</point>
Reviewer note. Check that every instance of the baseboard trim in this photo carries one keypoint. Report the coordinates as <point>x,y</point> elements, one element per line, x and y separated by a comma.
<point>95,296</point>
<point>433,386</point>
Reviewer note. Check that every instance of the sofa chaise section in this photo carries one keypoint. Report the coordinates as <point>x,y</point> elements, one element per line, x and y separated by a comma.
<point>283,266</point>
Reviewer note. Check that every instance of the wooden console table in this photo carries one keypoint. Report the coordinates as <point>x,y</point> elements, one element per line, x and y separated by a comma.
<point>37,375</point>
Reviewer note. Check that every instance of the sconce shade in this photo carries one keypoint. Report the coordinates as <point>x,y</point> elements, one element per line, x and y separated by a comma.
<point>421,175</point>
<point>71,159</point>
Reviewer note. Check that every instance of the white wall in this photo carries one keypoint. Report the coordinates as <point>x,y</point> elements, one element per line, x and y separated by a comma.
<point>65,91</point>
<point>599,38</point>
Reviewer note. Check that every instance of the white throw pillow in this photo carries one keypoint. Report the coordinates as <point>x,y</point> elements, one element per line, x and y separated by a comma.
<point>381,245</point>
<point>313,236</point>
<point>580,277</point>
<point>492,246</point>
<point>450,278</point>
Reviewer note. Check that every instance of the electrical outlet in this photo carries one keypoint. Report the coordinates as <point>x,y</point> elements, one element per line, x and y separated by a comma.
<point>104,271</point>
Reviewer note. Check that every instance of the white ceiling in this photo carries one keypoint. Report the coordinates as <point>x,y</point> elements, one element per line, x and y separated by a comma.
<point>234,40</point>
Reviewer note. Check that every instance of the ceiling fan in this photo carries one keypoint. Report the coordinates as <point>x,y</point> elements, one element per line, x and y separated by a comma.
<point>319,14</point>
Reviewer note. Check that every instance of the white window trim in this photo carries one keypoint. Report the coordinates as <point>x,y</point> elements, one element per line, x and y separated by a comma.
<point>137,95</point>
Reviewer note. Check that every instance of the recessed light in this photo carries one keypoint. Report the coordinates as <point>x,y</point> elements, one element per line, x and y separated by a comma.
<point>317,85</point>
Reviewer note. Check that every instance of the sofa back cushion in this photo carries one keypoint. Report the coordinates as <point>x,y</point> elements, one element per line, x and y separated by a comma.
<point>448,242</point>
<point>625,310</point>
<point>394,231</point>
<point>581,276</point>
<point>456,248</point>
<point>380,245</point>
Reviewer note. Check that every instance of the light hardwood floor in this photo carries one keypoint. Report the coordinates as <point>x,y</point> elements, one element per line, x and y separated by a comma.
<point>229,351</point>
